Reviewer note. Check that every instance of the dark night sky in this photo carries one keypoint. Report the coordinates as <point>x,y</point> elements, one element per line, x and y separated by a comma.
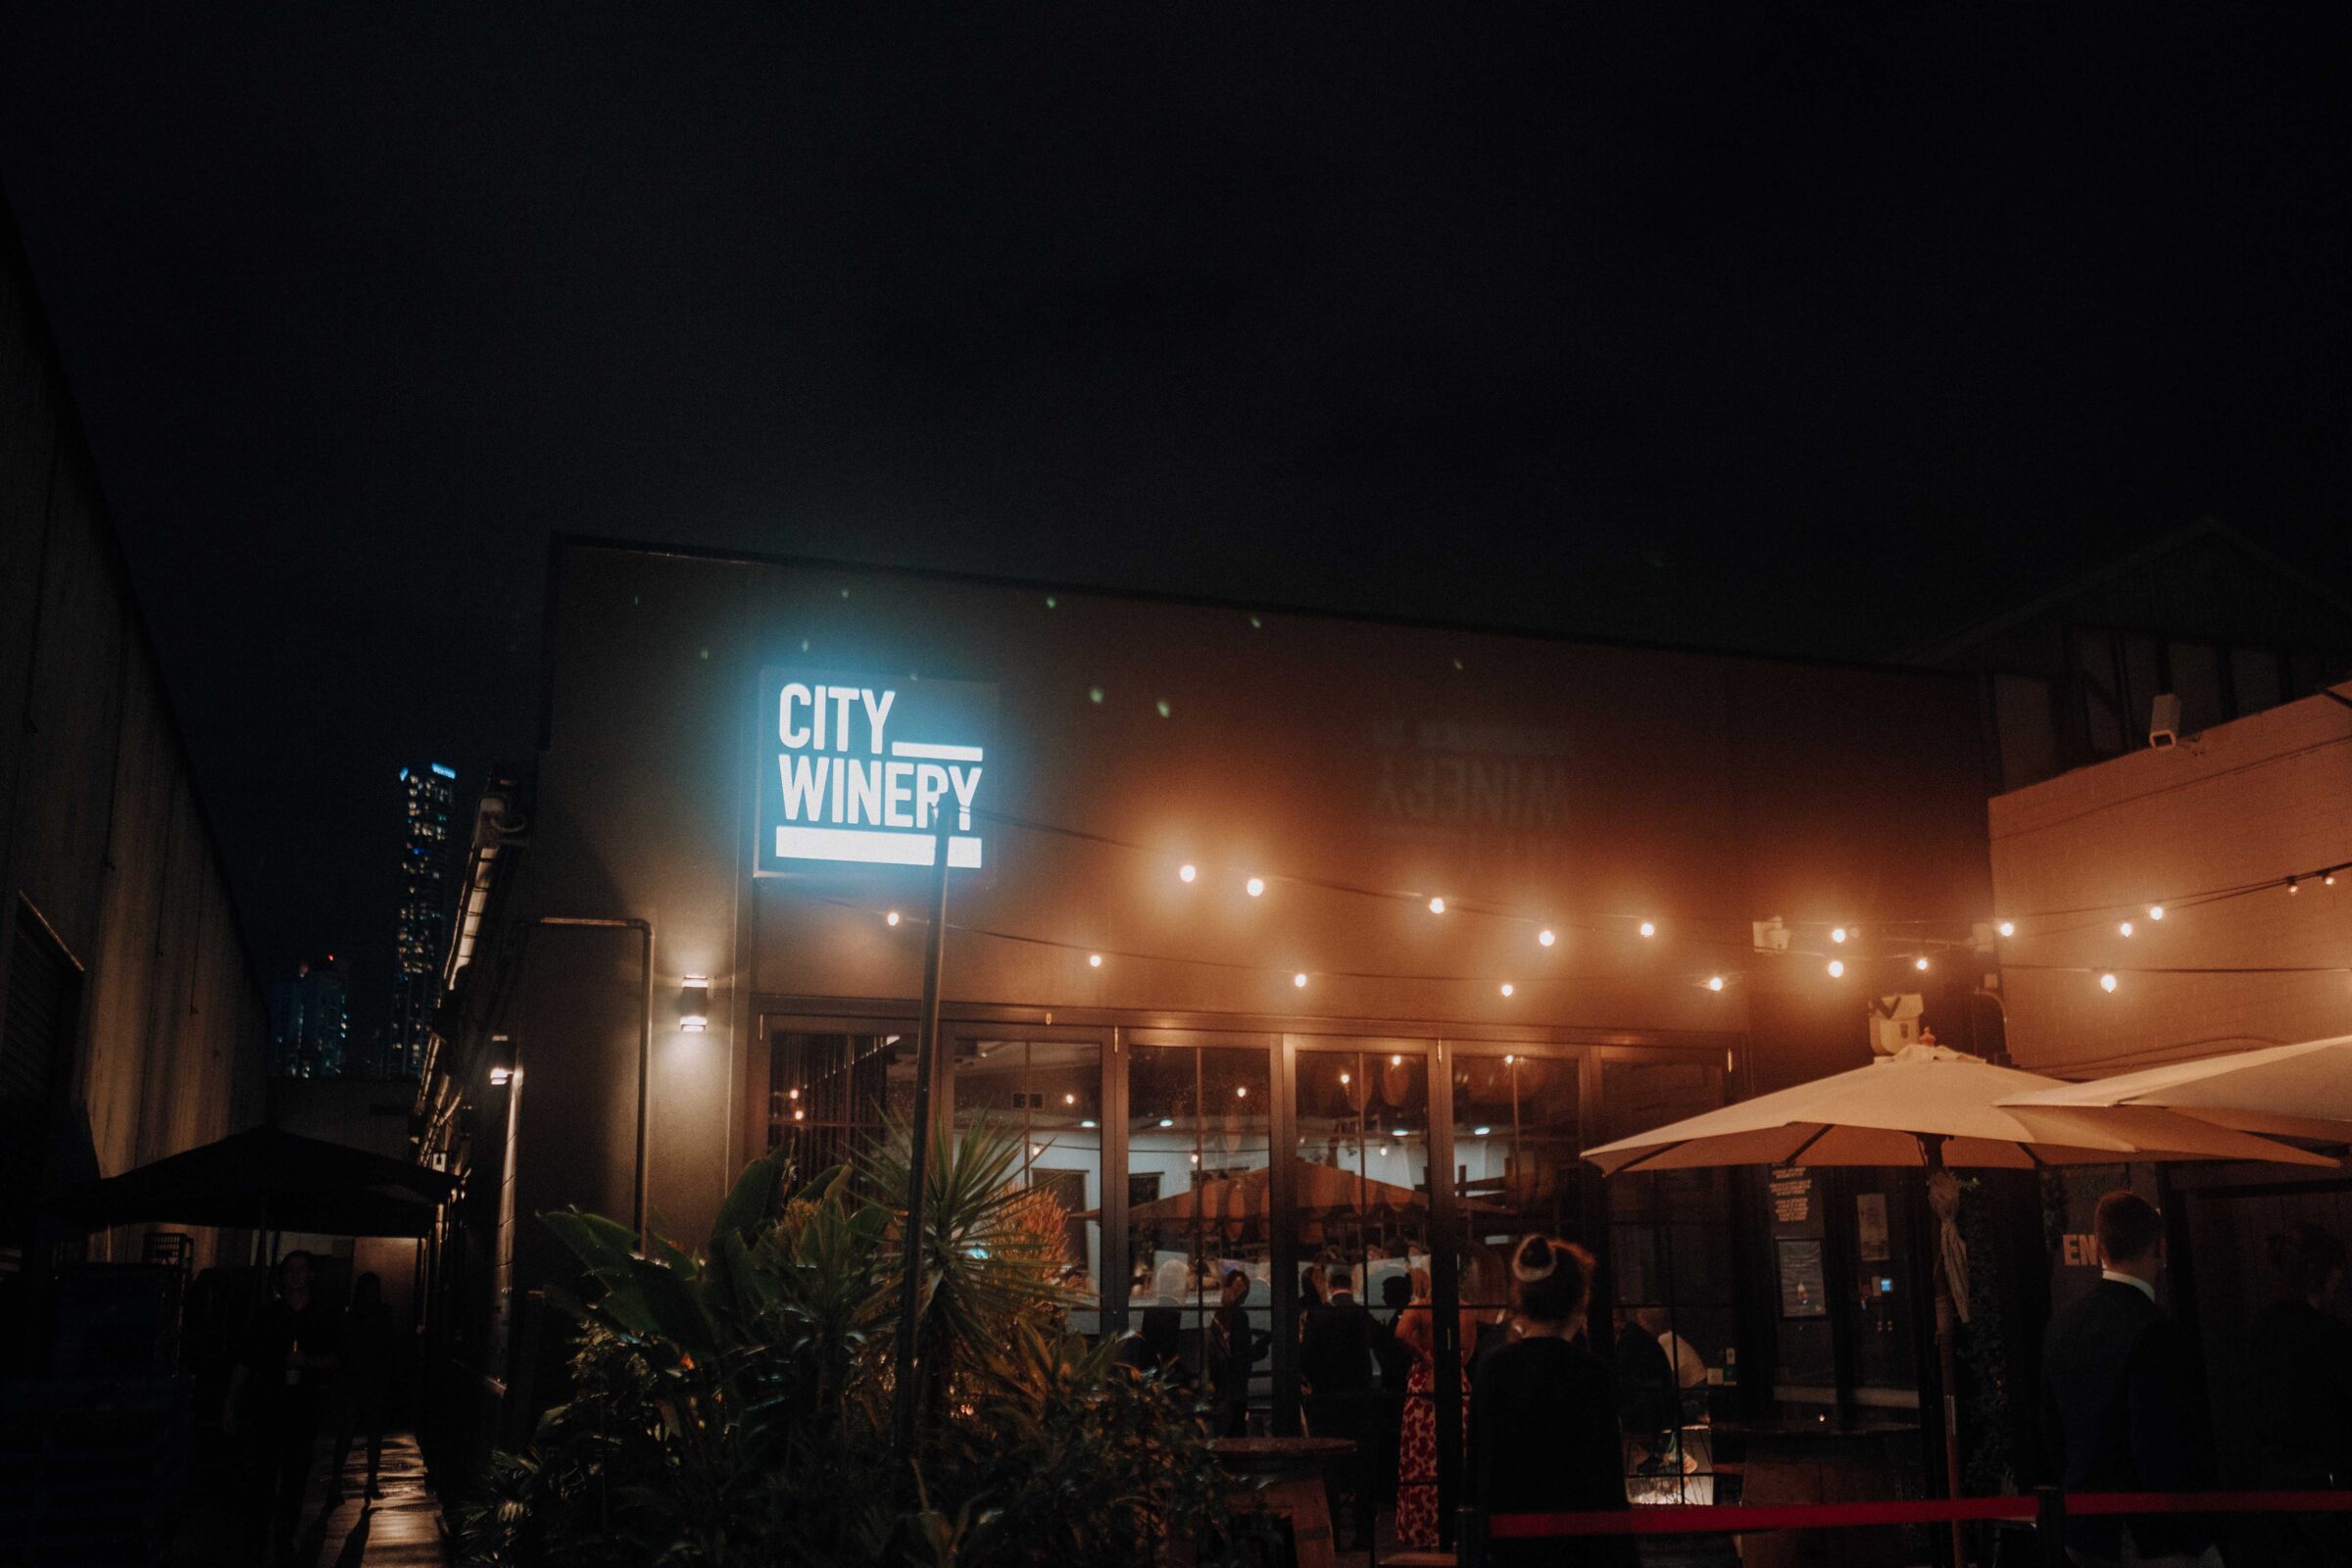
<point>1740,326</point>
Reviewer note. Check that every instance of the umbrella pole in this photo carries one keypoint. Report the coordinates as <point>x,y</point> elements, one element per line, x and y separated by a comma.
<point>1947,1355</point>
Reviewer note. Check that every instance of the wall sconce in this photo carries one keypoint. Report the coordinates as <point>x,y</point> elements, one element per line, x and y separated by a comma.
<point>694,1005</point>
<point>500,1077</point>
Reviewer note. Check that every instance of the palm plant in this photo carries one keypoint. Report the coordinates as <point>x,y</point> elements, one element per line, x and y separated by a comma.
<point>734,1404</point>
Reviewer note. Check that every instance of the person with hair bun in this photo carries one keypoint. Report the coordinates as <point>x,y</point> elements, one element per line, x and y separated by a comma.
<point>2300,1384</point>
<point>1544,1435</point>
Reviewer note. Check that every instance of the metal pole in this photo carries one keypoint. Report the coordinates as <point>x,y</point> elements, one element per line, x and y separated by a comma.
<point>926,1051</point>
<point>1947,1352</point>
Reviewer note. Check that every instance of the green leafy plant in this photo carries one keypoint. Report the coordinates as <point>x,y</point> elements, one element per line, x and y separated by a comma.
<point>734,1405</point>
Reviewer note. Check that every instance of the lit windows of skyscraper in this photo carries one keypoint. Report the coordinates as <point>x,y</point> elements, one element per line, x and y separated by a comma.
<point>429,793</point>
<point>310,1021</point>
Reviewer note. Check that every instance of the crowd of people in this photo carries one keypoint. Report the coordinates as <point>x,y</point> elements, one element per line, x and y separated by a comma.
<point>1550,1426</point>
<point>302,1359</point>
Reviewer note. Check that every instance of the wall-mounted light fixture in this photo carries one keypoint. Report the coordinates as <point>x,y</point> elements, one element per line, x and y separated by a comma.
<point>500,1077</point>
<point>694,1005</point>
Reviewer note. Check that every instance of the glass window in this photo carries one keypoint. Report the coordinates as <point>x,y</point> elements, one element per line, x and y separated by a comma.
<point>2102,702</point>
<point>1670,1317</point>
<point>828,1092</point>
<point>2197,681</point>
<point>1517,1154</point>
<point>2254,679</point>
<point>1199,1156</point>
<point>1048,1093</point>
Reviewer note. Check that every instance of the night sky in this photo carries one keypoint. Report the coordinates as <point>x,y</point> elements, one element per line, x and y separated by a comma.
<point>1736,325</point>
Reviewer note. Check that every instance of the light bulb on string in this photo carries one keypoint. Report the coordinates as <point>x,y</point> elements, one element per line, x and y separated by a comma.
<point>2155,911</point>
<point>1507,988</point>
<point>1094,961</point>
<point>892,918</point>
<point>1836,932</point>
<point>1397,1061</point>
<point>1836,968</point>
<point>2107,982</point>
<point>1920,962</point>
<point>2124,929</point>
<point>1436,906</point>
<point>1545,938</point>
<point>1650,928</point>
<point>1714,982</point>
<point>2007,929</point>
<point>1256,887</point>
<point>1300,979</point>
<point>2291,888</point>
<point>1187,871</point>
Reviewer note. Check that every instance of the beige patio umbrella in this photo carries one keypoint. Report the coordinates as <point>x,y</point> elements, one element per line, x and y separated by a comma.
<point>1930,1107</point>
<point>2298,1090</point>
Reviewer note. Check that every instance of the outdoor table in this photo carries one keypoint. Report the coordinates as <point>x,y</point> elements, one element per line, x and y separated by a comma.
<point>1285,1476</point>
<point>1796,1458</point>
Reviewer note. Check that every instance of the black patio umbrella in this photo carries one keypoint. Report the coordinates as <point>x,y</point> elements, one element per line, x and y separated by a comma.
<point>268,1180</point>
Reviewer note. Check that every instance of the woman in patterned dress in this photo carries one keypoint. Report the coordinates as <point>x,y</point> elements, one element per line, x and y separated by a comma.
<point>1417,1442</point>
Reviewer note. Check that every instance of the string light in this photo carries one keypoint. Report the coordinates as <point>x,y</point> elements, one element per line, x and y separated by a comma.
<point>1069,1099</point>
<point>1256,887</point>
<point>1187,871</point>
<point>1510,1061</point>
<point>1507,988</point>
<point>892,918</point>
<point>1714,982</point>
<point>1300,979</point>
<point>1094,961</point>
<point>1436,906</point>
<point>1837,933</point>
<point>791,1093</point>
<point>1545,938</point>
<point>2007,929</point>
<point>1836,968</point>
<point>2291,886</point>
<point>1397,1061</point>
<point>2107,982</point>
<point>2155,911</point>
<point>1650,928</point>
<point>1920,962</point>
<point>1345,1079</point>
<point>1241,1092</point>
<point>2328,880</point>
<point>2125,928</point>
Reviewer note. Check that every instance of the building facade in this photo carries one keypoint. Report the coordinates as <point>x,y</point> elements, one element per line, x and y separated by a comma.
<point>1367,928</point>
<point>310,1021</point>
<point>131,1023</point>
<point>428,793</point>
<point>2241,834</point>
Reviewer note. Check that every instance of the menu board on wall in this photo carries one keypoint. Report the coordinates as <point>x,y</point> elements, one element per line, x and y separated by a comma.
<point>1804,1291</point>
<point>1792,1193</point>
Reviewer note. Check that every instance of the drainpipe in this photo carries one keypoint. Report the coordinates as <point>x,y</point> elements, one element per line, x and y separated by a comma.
<point>645,1045</point>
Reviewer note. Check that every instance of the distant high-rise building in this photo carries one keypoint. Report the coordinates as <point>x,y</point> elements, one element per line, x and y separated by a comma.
<point>429,792</point>
<point>310,1021</point>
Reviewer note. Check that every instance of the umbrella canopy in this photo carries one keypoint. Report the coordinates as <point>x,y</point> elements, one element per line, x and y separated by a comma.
<point>1887,1112</point>
<point>2297,1091</point>
<point>1321,1190</point>
<point>265,1179</point>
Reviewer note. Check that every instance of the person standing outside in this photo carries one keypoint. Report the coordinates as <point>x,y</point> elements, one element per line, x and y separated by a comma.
<point>1544,1434</point>
<point>2118,1403</point>
<point>289,1352</point>
<point>370,1353</point>
<point>1335,1360</point>
<point>1234,1352</point>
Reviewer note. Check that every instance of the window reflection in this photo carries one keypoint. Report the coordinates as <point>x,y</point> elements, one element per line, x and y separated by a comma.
<point>1672,1318</point>
<point>1048,1093</point>
<point>1199,1205</point>
<point>828,1092</point>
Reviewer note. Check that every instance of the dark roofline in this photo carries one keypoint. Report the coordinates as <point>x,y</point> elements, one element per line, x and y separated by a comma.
<point>560,542</point>
<point>2207,527</point>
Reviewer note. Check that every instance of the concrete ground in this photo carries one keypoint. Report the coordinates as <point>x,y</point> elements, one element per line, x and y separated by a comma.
<point>401,1529</point>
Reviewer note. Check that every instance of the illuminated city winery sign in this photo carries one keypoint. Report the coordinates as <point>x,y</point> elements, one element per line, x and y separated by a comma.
<point>864,770</point>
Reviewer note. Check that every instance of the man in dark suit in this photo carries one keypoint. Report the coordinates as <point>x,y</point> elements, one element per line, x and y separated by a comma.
<point>1336,1341</point>
<point>2119,1404</point>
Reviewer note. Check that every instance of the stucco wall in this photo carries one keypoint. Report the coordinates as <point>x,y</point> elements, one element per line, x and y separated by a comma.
<point>2245,802</point>
<point>1702,790</point>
